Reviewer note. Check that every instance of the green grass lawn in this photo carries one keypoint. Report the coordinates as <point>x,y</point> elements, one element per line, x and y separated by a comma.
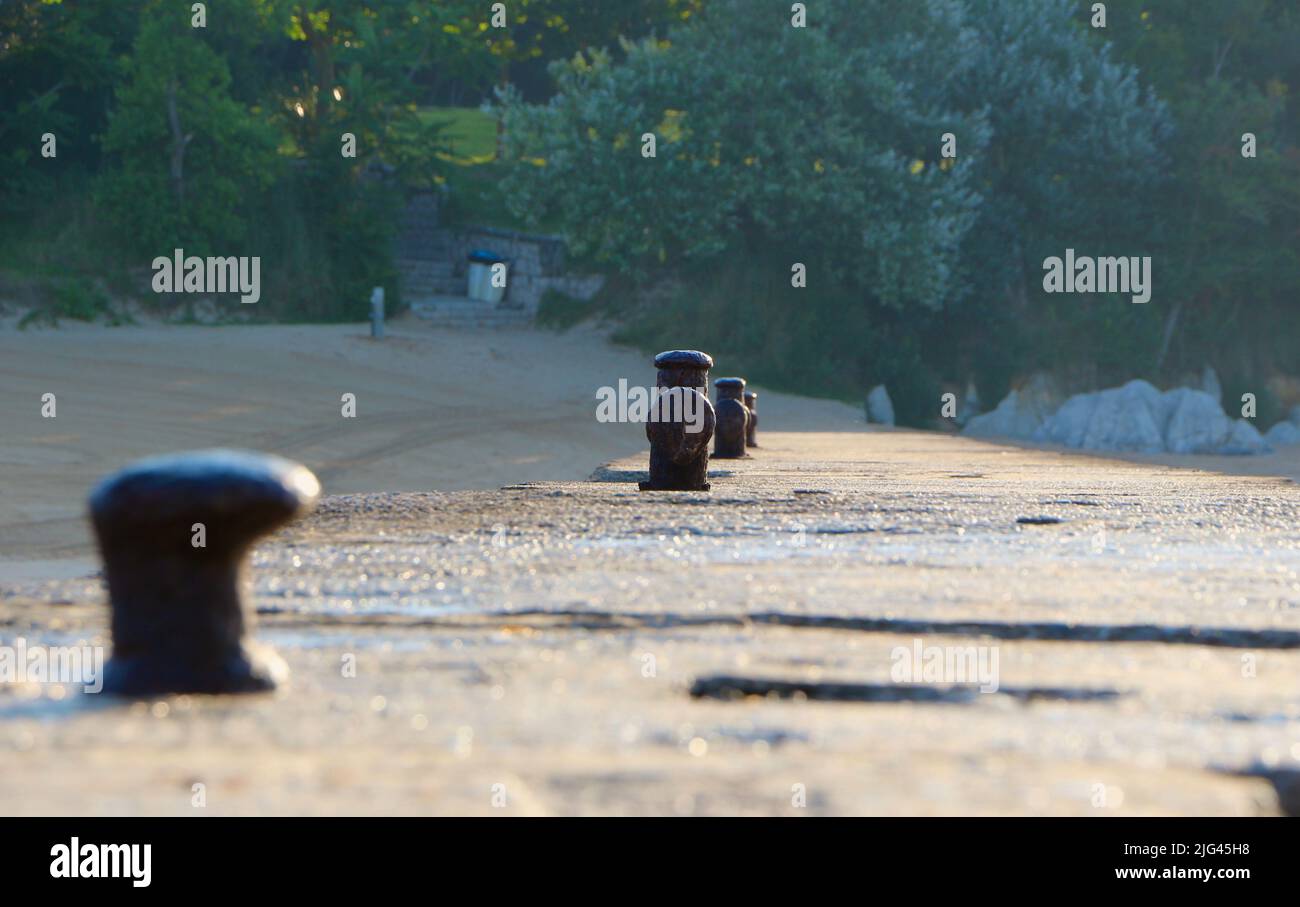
<point>474,174</point>
<point>471,133</point>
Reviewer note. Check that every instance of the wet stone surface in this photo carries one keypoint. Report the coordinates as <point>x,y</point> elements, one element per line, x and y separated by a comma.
<point>549,637</point>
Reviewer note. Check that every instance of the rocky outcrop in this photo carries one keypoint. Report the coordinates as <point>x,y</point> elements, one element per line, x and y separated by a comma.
<point>1020,414</point>
<point>1196,423</point>
<point>1122,418</point>
<point>1244,439</point>
<point>1135,418</point>
<point>1285,433</point>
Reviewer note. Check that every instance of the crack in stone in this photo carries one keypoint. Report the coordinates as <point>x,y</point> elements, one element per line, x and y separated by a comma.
<point>575,619</point>
<point>731,688</point>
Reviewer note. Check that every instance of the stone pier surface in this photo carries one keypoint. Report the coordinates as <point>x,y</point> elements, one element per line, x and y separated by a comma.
<point>585,648</point>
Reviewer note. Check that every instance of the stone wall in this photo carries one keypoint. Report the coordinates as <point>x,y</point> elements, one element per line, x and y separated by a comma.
<point>537,264</point>
<point>535,254</point>
<point>432,258</point>
<point>419,228</point>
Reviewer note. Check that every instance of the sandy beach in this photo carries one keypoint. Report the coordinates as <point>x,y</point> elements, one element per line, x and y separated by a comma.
<point>436,410</point>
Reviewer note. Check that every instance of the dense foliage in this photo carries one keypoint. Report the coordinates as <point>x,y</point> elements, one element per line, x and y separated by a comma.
<point>774,145</point>
<point>822,146</point>
<point>227,138</point>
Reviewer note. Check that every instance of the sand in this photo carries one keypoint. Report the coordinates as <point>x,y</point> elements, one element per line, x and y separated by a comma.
<point>437,409</point>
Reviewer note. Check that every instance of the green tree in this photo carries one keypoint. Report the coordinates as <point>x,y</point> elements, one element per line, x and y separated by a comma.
<point>538,31</point>
<point>766,136</point>
<point>1230,258</point>
<point>823,146</point>
<point>188,162</point>
<point>349,70</point>
<point>1078,159</point>
<point>57,72</point>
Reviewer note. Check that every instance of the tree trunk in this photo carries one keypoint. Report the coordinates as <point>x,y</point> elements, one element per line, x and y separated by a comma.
<point>501,124</point>
<point>180,142</point>
<point>1171,324</point>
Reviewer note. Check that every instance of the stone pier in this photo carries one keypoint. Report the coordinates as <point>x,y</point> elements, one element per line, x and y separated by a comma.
<point>538,650</point>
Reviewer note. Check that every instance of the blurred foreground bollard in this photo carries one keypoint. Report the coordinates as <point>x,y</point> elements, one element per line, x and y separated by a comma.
<point>174,532</point>
<point>733,419</point>
<point>681,423</point>
<point>377,313</point>
<point>751,433</point>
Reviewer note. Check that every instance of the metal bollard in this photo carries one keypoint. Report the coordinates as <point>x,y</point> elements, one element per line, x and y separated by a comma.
<point>733,419</point>
<point>751,433</point>
<point>173,532</point>
<point>679,456</point>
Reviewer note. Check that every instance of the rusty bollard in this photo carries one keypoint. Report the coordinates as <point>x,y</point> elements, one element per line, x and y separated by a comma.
<point>681,423</point>
<point>733,419</point>
<point>173,532</point>
<point>751,430</point>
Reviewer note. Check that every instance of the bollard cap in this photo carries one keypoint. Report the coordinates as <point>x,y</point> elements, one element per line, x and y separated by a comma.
<point>257,491</point>
<point>683,359</point>
<point>729,383</point>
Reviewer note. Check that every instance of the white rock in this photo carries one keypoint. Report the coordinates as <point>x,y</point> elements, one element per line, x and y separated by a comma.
<point>1008,420</point>
<point>1283,434</point>
<point>1197,424</point>
<point>1243,440</point>
<point>1069,425</point>
<point>1127,418</point>
<point>1137,418</point>
<point>1020,414</point>
<point>880,408</point>
<point>1124,418</point>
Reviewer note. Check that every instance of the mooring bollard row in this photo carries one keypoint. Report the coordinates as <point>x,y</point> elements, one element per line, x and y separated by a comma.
<point>733,419</point>
<point>751,433</point>
<point>682,424</point>
<point>174,532</point>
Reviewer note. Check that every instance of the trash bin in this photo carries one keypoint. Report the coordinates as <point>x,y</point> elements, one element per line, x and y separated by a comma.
<point>480,276</point>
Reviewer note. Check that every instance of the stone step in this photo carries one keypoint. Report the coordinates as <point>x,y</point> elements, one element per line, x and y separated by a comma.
<point>421,279</point>
<point>423,252</point>
<point>424,289</point>
<point>461,311</point>
<point>413,277</point>
<point>416,266</point>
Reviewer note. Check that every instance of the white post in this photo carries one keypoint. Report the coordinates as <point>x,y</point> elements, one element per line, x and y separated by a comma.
<point>377,313</point>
